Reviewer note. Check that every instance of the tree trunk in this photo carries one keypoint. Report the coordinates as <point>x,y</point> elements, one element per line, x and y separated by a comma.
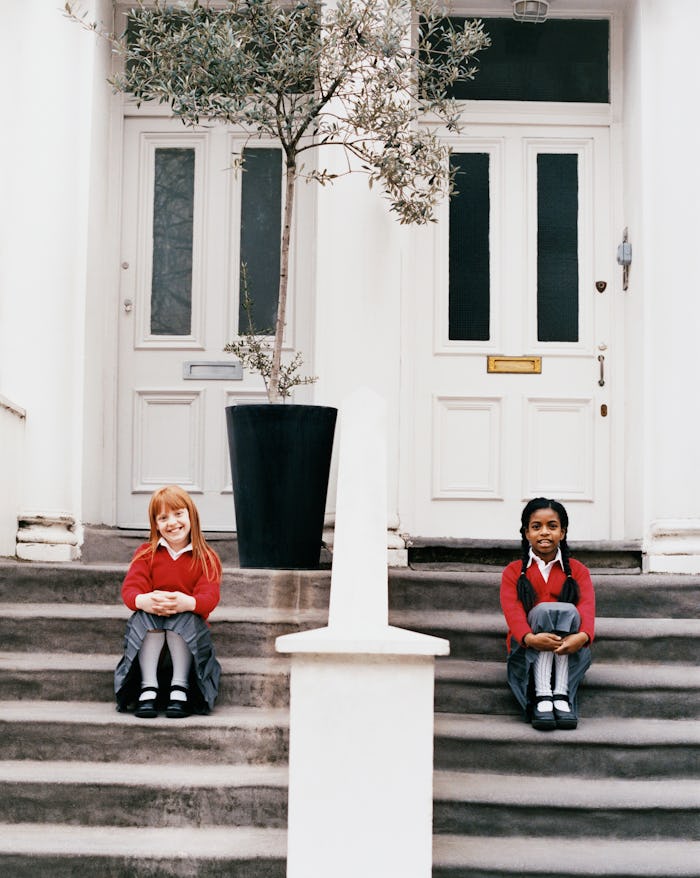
<point>273,388</point>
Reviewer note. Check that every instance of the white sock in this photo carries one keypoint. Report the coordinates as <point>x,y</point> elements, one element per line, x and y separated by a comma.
<point>148,661</point>
<point>182,659</point>
<point>561,682</point>
<point>543,675</point>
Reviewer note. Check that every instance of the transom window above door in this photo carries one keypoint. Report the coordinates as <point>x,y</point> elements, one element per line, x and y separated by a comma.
<point>559,60</point>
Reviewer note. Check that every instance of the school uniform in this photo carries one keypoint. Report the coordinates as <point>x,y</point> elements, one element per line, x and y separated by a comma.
<point>548,614</point>
<point>165,570</point>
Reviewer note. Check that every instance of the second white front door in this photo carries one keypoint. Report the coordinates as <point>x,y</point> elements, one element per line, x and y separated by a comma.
<point>511,338</point>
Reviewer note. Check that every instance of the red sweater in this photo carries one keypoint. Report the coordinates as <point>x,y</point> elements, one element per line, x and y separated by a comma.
<point>161,573</point>
<point>513,610</point>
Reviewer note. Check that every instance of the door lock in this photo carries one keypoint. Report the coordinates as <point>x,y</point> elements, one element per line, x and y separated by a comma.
<point>128,305</point>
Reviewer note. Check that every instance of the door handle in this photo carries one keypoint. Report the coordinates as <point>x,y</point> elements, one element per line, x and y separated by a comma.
<point>601,360</point>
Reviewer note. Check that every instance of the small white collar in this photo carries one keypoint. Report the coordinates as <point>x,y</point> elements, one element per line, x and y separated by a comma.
<point>173,554</point>
<point>545,567</point>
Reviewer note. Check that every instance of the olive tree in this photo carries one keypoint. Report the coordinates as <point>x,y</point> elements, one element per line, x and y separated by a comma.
<point>359,75</point>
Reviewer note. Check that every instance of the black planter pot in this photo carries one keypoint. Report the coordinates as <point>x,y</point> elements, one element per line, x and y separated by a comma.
<point>280,463</point>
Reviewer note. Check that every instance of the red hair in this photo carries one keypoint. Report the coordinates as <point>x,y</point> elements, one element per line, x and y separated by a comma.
<point>173,497</point>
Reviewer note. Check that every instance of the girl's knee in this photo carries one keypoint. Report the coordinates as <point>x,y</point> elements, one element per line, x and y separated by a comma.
<point>554,617</point>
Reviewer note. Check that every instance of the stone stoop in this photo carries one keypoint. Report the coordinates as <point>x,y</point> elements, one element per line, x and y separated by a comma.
<point>86,790</point>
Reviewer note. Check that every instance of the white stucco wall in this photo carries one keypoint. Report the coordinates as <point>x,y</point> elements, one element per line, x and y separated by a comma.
<point>637,368</point>
<point>12,419</point>
<point>668,257</point>
<point>59,261</point>
<point>43,254</point>
<point>359,274</point>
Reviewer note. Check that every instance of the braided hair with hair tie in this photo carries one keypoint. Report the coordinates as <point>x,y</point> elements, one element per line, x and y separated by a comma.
<point>526,594</point>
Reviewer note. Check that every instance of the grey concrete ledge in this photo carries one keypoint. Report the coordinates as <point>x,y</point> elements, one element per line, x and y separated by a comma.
<point>568,856</point>
<point>594,730</point>
<point>508,789</point>
<point>171,843</point>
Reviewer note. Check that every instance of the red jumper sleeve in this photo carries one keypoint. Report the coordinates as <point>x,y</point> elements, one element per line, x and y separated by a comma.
<point>586,601</point>
<point>513,610</point>
<point>207,592</point>
<point>137,580</point>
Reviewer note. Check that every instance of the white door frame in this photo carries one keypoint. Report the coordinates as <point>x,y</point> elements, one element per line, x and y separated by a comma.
<point>477,114</point>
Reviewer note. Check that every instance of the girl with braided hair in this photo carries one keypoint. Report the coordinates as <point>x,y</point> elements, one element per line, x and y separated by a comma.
<point>548,601</point>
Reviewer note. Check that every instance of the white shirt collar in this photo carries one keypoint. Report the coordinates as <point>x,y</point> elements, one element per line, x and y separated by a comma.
<point>173,554</point>
<point>545,567</point>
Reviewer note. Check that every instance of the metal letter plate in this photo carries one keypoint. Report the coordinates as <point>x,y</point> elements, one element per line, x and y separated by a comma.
<point>213,370</point>
<point>515,365</point>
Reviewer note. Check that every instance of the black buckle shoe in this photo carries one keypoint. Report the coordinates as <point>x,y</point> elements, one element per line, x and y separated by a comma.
<point>147,706</point>
<point>565,719</point>
<point>543,720</point>
<point>177,709</point>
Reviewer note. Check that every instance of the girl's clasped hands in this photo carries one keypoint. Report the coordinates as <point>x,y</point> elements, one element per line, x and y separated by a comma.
<point>166,603</point>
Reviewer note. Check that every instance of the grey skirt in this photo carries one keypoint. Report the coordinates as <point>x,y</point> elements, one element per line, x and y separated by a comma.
<point>558,618</point>
<point>205,670</point>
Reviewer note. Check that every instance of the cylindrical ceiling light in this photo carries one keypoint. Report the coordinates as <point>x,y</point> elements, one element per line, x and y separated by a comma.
<point>530,10</point>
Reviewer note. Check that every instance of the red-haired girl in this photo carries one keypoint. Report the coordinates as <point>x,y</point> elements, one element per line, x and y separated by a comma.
<point>548,600</point>
<point>172,586</point>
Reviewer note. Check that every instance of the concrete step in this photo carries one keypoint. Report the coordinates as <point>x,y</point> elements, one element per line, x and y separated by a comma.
<point>101,584</point>
<point>435,553</point>
<point>458,856</point>
<point>482,636</point>
<point>598,748</point>
<point>29,850</point>
<point>154,794</point>
<point>237,631</point>
<point>615,690</point>
<point>461,686</point>
<point>251,631</point>
<point>467,803</point>
<point>93,732</point>
<point>515,805</point>
<point>246,682</point>
<point>617,594</point>
<point>116,545</point>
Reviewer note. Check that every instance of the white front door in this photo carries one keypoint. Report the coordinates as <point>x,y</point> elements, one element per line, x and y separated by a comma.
<point>187,221</point>
<point>510,386</point>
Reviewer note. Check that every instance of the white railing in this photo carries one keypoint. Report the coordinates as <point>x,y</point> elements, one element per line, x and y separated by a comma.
<point>12,420</point>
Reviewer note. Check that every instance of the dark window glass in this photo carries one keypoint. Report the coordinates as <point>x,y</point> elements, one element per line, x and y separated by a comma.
<point>558,60</point>
<point>469,248</point>
<point>173,213</point>
<point>261,224</point>
<point>557,247</point>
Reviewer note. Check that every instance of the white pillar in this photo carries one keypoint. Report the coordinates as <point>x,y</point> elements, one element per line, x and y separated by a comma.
<point>663,281</point>
<point>361,708</point>
<point>46,151</point>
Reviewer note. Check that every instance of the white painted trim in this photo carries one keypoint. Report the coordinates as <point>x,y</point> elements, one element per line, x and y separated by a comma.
<point>385,641</point>
<point>12,407</point>
<point>672,546</point>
